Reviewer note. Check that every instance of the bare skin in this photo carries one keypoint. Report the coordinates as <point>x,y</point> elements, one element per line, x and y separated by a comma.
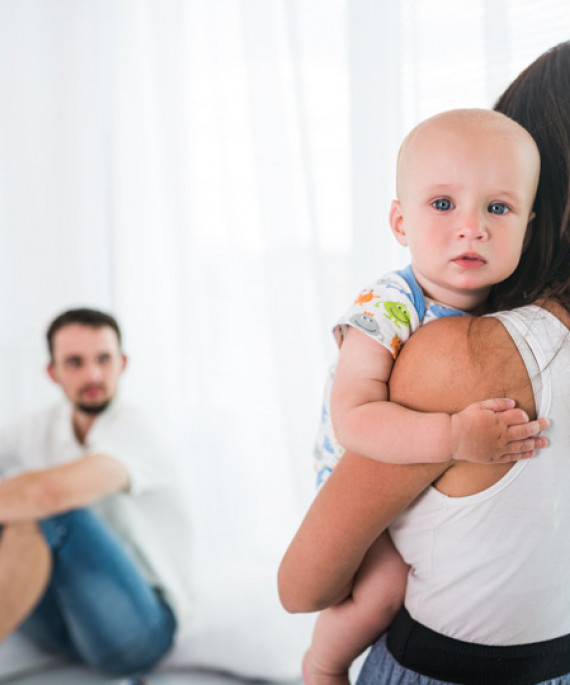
<point>25,567</point>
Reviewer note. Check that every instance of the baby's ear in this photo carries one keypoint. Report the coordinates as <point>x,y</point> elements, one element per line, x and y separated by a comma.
<point>397,222</point>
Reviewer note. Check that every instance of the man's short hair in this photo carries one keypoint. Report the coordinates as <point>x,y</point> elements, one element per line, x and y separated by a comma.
<point>85,317</point>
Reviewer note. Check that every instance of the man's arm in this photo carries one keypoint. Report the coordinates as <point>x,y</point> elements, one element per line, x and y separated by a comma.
<point>46,492</point>
<point>362,497</point>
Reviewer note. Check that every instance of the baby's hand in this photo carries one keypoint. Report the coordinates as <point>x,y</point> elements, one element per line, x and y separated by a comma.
<point>494,431</point>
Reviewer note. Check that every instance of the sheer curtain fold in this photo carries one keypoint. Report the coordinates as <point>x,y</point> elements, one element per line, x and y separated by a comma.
<point>219,175</point>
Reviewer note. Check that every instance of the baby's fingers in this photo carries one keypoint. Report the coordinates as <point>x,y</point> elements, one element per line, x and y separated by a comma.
<point>515,417</point>
<point>520,431</point>
<point>522,449</point>
<point>516,456</point>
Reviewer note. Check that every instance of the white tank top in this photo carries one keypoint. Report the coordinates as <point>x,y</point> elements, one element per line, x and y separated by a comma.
<point>494,567</point>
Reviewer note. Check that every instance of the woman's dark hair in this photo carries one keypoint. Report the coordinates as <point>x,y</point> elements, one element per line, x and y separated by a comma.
<point>539,100</point>
<point>85,317</point>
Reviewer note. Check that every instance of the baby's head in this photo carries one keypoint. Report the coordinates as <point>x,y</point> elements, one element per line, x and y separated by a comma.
<point>466,181</point>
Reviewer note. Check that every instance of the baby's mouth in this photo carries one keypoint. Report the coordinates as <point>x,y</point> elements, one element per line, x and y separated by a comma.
<point>469,260</point>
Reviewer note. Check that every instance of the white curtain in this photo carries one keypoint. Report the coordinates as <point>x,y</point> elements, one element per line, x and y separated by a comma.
<point>184,164</point>
<point>218,173</point>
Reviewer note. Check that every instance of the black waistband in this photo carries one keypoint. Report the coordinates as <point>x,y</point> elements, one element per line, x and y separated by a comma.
<point>422,650</point>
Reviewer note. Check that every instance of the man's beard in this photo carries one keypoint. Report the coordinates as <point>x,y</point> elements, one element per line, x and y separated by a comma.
<point>92,409</point>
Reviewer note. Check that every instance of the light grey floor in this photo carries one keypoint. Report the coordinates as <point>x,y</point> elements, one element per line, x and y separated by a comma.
<point>80,676</point>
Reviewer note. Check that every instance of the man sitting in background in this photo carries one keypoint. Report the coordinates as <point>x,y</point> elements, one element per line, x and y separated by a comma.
<point>88,514</point>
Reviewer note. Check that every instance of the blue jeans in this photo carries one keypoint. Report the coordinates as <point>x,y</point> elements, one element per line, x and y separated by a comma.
<point>97,608</point>
<point>380,668</point>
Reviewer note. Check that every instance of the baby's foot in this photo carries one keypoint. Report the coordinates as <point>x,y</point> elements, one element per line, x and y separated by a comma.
<point>315,673</point>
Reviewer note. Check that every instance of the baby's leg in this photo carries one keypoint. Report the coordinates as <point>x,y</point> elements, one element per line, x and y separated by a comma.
<point>344,631</point>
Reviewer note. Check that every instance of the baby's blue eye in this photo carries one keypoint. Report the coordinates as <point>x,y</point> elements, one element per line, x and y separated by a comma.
<point>498,208</point>
<point>442,204</point>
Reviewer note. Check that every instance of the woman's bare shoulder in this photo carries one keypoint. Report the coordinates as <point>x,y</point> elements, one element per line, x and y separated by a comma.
<point>452,362</point>
<point>458,331</point>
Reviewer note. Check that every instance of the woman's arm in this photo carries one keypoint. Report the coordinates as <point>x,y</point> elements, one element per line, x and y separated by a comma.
<point>358,501</point>
<point>460,361</point>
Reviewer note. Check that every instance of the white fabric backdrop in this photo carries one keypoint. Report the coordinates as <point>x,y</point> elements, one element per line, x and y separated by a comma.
<point>218,173</point>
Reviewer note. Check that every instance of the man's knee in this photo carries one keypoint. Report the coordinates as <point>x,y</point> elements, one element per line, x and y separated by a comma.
<point>25,568</point>
<point>15,538</point>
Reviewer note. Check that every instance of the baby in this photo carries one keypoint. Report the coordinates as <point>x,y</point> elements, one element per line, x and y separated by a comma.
<point>466,181</point>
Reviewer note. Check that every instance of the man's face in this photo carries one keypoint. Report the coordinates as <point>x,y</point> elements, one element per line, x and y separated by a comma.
<point>87,363</point>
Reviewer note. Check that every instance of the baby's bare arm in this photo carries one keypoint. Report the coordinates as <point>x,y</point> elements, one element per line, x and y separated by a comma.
<point>367,423</point>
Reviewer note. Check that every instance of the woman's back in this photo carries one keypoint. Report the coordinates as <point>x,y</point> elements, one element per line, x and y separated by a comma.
<point>492,567</point>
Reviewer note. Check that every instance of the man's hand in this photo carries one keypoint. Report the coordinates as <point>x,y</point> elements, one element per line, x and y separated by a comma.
<point>494,431</point>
